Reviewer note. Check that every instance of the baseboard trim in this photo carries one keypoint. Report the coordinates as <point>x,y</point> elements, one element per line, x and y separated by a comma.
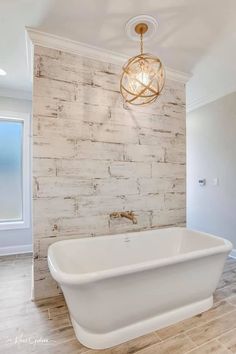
<point>6,251</point>
<point>233,253</point>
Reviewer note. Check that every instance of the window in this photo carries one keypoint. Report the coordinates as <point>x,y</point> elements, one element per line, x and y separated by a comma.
<point>14,171</point>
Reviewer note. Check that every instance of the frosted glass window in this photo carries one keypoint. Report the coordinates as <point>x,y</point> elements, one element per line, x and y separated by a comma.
<point>11,140</point>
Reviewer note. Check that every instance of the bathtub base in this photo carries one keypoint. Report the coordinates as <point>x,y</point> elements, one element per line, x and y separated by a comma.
<point>121,335</point>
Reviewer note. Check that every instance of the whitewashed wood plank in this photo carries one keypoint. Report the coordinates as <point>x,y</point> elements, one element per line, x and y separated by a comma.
<point>160,185</point>
<point>45,286</point>
<point>54,69</point>
<point>175,200</point>
<point>44,167</point>
<point>41,250</point>
<point>107,80</point>
<point>115,186</point>
<point>44,226</point>
<point>53,147</point>
<point>100,205</point>
<point>130,169</point>
<point>45,51</point>
<point>145,153</point>
<point>70,129</point>
<point>167,217</point>
<point>144,202</point>
<point>81,111</point>
<point>83,168</point>
<point>156,120</point>
<point>169,170</point>
<point>114,133</point>
<point>69,227</point>
<point>62,187</point>
<point>99,151</point>
<point>44,87</point>
<point>158,137</point>
<point>175,156</point>
<point>94,95</point>
<point>47,107</point>
<point>88,225</point>
<point>54,207</point>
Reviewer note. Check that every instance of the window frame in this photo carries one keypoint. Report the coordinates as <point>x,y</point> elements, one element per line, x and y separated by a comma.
<point>24,223</point>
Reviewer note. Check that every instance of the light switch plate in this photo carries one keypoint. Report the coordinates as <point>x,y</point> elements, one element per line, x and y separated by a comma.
<point>215,181</point>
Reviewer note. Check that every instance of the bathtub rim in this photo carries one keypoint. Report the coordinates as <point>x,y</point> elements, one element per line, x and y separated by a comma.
<point>82,278</point>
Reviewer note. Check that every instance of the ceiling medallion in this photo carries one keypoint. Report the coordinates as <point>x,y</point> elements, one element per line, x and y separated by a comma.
<point>143,76</point>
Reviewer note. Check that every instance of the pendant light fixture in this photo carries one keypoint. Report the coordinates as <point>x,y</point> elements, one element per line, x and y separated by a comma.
<point>143,76</point>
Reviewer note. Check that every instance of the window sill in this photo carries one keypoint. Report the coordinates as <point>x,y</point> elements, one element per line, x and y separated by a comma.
<point>10,225</point>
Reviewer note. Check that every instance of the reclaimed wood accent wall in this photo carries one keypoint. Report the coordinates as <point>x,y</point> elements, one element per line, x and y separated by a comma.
<point>92,156</point>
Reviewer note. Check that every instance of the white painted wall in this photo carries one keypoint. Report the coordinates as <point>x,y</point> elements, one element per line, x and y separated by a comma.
<point>15,241</point>
<point>15,104</point>
<point>213,76</point>
<point>211,152</point>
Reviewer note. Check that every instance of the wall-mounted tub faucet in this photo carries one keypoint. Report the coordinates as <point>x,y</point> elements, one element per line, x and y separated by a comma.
<point>124,214</point>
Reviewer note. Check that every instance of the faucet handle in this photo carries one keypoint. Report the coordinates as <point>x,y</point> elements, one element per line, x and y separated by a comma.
<point>125,214</point>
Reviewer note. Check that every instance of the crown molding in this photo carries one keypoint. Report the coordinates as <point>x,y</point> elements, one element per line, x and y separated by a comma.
<point>35,37</point>
<point>198,102</point>
<point>213,96</point>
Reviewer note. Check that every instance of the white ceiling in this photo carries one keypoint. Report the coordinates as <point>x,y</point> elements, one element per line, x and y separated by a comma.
<point>188,31</point>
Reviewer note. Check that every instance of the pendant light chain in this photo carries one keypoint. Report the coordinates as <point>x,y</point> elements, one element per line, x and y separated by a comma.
<point>141,42</point>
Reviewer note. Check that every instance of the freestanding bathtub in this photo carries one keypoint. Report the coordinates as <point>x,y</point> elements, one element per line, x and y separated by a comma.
<point>124,286</point>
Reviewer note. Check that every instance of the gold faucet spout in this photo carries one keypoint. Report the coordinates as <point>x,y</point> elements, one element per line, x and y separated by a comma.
<point>124,214</point>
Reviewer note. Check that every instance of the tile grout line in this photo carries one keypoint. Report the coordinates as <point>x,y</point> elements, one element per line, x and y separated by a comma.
<point>199,325</point>
<point>207,322</point>
<point>150,346</point>
<point>198,346</point>
<point>155,332</point>
<point>215,338</point>
<point>230,302</point>
<point>195,344</point>
<point>224,346</point>
<point>222,334</point>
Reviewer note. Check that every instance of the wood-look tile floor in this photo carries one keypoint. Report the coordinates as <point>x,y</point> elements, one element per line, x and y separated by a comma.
<point>44,326</point>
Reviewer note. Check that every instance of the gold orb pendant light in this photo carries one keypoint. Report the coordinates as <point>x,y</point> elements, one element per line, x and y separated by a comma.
<point>143,76</point>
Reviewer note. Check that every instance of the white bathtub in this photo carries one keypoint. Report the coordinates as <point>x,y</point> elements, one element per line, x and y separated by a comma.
<point>123,286</point>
